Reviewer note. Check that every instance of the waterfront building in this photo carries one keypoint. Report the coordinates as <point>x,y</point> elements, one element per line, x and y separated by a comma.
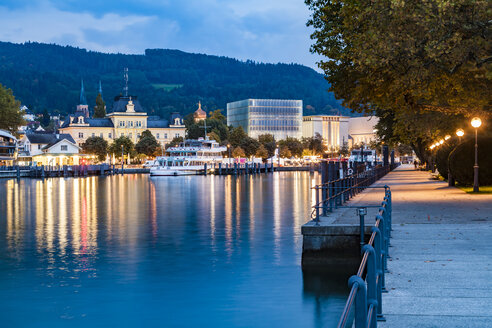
<point>199,114</point>
<point>332,128</point>
<point>126,118</point>
<point>48,148</point>
<point>8,148</point>
<point>362,130</point>
<point>280,117</point>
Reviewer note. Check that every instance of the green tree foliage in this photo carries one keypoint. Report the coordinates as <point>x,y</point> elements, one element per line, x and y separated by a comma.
<point>237,136</point>
<point>442,156</point>
<point>412,62</point>
<point>164,80</point>
<point>284,152</point>
<point>295,146</point>
<point>250,146</point>
<point>10,113</point>
<point>262,152</point>
<point>216,123</point>
<point>461,161</point>
<point>96,146</point>
<point>100,109</point>
<point>268,141</point>
<point>406,55</point>
<point>128,147</point>
<point>238,152</point>
<point>416,129</point>
<point>147,144</point>
<point>214,136</point>
<point>175,142</point>
<point>314,144</point>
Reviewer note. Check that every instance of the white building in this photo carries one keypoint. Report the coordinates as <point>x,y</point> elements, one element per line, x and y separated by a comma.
<point>333,129</point>
<point>47,148</point>
<point>362,130</point>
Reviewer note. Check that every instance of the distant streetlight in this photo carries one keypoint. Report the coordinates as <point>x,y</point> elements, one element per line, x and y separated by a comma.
<point>476,122</point>
<point>447,137</point>
<point>460,133</point>
<point>441,141</point>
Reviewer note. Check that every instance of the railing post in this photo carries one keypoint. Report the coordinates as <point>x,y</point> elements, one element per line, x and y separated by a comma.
<point>384,249</point>
<point>316,190</point>
<point>360,301</point>
<point>371,276</point>
<point>380,272</point>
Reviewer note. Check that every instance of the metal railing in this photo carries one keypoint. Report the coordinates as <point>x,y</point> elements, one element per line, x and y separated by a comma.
<point>332,194</point>
<point>367,286</point>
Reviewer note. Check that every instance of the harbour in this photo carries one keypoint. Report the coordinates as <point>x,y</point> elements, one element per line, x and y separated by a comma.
<point>131,244</point>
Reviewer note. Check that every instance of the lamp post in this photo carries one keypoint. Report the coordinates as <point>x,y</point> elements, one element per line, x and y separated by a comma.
<point>476,122</point>
<point>229,149</point>
<point>122,159</point>
<point>460,133</point>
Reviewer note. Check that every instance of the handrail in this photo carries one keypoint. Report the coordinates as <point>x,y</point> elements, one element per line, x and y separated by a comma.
<point>368,307</point>
<point>336,192</point>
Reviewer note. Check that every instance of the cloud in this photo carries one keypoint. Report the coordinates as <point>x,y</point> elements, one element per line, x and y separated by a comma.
<point>267,31</point>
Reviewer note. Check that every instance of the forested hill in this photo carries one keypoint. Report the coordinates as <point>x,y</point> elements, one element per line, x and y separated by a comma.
<point>46,76</point>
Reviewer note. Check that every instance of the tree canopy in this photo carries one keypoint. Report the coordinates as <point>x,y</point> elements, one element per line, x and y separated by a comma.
<point>96,146</point>
<point>406,55</point>
<point>10,112</point>
<point>128,146</point>
<point>100,109</point>
<point>147,144</point>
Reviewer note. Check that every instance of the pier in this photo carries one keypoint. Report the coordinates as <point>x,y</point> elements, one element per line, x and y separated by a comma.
<point>439,265</point>
<point>66,171</point>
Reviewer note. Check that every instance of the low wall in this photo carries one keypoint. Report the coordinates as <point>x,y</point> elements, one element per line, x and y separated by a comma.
<point>332,244</point>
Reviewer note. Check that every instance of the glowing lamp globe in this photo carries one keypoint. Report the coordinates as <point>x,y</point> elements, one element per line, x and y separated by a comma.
<point>460,132</point>
<point>441,141</point>
<point>476,122</point>
<point>447,137</point>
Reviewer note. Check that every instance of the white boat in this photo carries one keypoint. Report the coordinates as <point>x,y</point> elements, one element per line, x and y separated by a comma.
<point>191,157</point>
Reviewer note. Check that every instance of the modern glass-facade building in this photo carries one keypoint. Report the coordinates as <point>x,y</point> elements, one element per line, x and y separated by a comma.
<point>280,117</point>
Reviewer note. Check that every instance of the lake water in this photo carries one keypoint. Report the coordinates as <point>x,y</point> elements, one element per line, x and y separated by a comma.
<point>133,251</point>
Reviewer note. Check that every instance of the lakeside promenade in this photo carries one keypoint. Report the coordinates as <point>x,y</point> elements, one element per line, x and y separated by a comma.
<point>441,253</point>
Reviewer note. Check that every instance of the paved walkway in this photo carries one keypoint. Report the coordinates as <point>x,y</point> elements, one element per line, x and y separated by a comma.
<point>441,266</point>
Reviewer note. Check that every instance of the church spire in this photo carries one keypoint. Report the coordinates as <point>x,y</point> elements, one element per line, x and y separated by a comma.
<point>83,100</point>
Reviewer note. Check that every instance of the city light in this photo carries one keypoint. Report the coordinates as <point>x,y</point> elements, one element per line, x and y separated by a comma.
<point>441,141</point>
<point>447,137</point>
<point>476,122</point>
<point>460,132</point>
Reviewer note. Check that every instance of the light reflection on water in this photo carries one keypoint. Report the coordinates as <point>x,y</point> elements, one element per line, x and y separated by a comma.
<point>139,251</point>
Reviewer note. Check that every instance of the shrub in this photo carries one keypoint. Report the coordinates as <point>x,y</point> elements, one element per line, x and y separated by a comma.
<point>462,159</point>
<point>442,156</point>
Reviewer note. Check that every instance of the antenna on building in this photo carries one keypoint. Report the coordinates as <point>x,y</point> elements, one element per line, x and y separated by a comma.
<point>125,77</point>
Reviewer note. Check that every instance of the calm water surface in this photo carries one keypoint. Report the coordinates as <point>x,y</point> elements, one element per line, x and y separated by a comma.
<point>133,251</point>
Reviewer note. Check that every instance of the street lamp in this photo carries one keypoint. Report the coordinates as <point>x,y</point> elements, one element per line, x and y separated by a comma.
<point>460,133</point>
<point>476,122</point>
<point>447,137</point>
<point>229,149</point>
